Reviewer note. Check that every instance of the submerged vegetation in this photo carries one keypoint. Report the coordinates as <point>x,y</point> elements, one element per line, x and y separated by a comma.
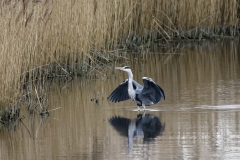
<point>45,39</point>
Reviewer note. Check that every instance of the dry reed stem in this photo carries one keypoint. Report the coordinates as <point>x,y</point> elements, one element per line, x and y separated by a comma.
<point>40,104</point>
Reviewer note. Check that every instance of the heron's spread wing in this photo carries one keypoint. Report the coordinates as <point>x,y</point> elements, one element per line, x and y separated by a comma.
<point>152,90</point>
<point>120,93</point>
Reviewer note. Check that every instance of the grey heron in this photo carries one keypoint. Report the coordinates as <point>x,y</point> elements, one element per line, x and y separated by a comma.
<point>146,95</point>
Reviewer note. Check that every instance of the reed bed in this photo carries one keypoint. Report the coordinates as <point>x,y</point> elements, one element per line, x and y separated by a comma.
<point>40,38</point>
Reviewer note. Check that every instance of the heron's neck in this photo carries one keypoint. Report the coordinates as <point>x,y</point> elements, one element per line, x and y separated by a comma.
<point>131,91</point>
<point>130,77</point>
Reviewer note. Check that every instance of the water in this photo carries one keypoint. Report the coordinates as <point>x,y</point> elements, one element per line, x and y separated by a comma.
<point>201,113</point>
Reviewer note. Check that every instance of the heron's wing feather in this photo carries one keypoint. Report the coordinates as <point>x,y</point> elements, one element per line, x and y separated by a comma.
<point>152,90</point>
<point>161,92</point>
<point>136,86</point>
<point>120,93</point>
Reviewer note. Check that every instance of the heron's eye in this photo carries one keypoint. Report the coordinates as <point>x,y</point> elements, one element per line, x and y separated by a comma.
<point>126,67</point>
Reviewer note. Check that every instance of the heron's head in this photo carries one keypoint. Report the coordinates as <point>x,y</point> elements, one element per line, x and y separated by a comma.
<point>125,68</point>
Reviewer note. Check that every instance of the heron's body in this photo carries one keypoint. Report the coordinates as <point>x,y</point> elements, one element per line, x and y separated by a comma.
<point>146,95</point>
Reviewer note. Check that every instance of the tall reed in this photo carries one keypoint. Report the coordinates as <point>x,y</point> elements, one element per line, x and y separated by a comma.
<point>35,33</point>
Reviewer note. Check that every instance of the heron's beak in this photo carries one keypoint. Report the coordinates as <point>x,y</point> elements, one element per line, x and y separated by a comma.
<point>121,68</point>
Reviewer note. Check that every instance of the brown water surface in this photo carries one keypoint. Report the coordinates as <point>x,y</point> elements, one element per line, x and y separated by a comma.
<point>201,112</point>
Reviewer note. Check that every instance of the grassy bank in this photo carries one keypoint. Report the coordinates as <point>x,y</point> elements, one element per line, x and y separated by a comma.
<point>40,34</point>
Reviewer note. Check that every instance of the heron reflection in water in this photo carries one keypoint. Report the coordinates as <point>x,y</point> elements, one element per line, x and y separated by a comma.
<point>146,95</point>
<point>147,125</point>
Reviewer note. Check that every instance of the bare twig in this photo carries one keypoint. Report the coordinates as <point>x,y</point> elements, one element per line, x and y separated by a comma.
<point>38,97</point>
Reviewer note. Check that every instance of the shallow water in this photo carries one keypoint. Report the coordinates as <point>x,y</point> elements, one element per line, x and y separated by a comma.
<point>201,113</point>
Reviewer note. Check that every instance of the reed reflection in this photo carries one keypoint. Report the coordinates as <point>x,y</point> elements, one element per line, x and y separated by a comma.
<point>146,125</point>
